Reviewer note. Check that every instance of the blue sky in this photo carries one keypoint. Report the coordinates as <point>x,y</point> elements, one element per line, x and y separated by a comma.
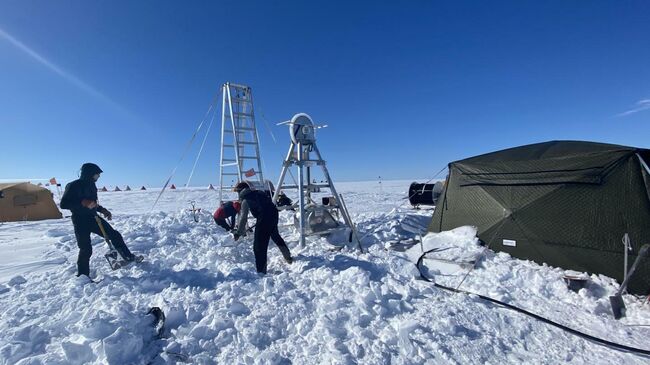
<point>405,87</point>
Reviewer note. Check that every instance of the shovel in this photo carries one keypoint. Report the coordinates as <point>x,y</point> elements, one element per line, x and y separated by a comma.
<point>618,305</point>
<point>111,256</point>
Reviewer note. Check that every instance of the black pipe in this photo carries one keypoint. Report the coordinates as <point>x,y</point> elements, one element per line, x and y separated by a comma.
<point>586,336</point>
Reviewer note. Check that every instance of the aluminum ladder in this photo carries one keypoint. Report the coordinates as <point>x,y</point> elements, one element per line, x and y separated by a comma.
<point>240,148</point>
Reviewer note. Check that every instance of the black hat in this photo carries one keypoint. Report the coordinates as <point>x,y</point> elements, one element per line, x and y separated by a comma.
<point>89,169</point>
<point>241,186</point>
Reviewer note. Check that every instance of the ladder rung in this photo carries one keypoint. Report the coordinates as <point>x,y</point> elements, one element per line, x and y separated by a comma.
<point>229,164</point>
<point>237,86</point>
<point>229,160</point>
<point>308,186</point>
<point>247,142</point>
<point>240,130</point>
<point>240,100</point>
<point>230,173</point>
<point>229,145</point>
<point>249,157</point>
<point>242,114</point>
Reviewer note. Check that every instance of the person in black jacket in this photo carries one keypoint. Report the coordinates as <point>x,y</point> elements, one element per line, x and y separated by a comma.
<point>262,207</point>
<point>80,197</point>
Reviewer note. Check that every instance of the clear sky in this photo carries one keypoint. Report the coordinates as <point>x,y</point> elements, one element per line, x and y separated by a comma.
<point>405,86</point>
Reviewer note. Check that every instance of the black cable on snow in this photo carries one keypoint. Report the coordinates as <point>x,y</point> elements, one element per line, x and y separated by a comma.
<point>586,336</point>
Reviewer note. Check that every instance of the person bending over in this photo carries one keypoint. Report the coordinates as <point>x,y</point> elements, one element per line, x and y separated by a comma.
<point>225,215</point>
<point>262,208</point>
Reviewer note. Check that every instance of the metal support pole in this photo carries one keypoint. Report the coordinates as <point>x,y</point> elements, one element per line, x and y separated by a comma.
<point>627,246</point>
<point>352,226</point>
<point>301,194</point>
<point>285,167</point>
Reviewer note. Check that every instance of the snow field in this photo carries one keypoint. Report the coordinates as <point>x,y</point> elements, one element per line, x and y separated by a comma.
<point>329,307</point>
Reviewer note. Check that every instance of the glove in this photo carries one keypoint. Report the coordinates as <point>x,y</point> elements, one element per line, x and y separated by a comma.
<point>235,236</point>
<point>107,214</point>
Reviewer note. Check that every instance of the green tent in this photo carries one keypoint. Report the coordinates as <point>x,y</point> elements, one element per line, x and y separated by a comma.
<point>563,203</point>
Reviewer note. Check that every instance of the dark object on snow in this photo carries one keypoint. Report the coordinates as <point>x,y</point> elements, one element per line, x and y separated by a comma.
<point>195,211</point>
<point>575,283</point>
<point>284,200</point>
<point>564,203</point>
<point>618,305</point>
<point>425,194</point>
<point>159,323</point>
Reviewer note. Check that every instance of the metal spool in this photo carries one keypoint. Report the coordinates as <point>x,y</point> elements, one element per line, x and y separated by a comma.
<point>425,194</point>
<point>302,129</point>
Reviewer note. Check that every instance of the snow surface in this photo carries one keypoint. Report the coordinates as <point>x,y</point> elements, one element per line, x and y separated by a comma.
<point>329,307</point>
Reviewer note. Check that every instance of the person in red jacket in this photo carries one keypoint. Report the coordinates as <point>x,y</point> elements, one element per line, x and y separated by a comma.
<point>226,214</point>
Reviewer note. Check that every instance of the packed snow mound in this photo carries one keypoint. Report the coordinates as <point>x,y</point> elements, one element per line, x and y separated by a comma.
<point>459,244</point>
<point>330,306</point>
<point>456,259</point>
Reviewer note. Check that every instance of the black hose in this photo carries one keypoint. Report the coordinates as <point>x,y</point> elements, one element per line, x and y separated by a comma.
<point>586,336</point>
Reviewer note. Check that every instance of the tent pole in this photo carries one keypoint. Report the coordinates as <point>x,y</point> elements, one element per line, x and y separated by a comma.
<point>645,166</point>
<point>627,246</point>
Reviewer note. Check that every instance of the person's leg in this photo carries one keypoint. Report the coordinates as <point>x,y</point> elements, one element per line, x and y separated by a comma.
<point>116,239</point>
<point>275,236</point>
<point>82,233</point>
<point>222,223</point>
<point>260,246</point>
